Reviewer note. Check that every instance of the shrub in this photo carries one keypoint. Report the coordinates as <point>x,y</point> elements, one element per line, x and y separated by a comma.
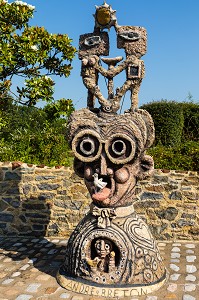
<point>191,121</point>
<point>31,138</point>
<point>168,120</point>
<point>183,157</point>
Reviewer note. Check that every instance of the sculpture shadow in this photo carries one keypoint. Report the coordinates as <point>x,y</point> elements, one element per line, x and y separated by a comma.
<point>41,253</point>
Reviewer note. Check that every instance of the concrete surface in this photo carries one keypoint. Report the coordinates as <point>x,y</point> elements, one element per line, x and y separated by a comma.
<point>28,268</point>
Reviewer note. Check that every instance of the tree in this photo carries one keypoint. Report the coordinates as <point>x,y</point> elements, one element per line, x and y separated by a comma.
<point>30,52</point>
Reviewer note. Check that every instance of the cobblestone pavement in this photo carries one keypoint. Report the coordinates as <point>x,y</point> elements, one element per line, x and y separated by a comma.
<point>28,268</point>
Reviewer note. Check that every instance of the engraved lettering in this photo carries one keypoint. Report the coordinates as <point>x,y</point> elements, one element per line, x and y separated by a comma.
<point>143,292</point>
<point>86,291</point>
<point>126,293</point>
<point>103,294</point>
<point>116,293</point>
<point>110,292</point>
<point>81,290</point>
<point>134,292</point>
<point>75,286</point>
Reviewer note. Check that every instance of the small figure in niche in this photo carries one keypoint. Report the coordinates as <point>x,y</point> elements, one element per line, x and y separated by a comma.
<point>105,261</point>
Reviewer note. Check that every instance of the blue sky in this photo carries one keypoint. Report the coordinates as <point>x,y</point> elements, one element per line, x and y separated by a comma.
<point>172,62</point>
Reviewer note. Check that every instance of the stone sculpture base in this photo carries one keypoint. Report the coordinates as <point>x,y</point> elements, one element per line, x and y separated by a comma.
<point>112,253</point>
<point>81,287</point>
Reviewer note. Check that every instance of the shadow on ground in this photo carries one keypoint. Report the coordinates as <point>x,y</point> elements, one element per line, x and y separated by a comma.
<point>45,255</point>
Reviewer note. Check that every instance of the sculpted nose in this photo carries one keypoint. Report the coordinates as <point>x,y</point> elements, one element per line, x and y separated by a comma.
<point>103,164</point>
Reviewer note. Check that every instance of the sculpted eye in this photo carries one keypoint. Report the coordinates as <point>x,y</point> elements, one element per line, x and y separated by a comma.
<point>92,41</point>
<point>130,35</point>
<point>107,246</point>
<point>120,149</point>
<point>86,146</point>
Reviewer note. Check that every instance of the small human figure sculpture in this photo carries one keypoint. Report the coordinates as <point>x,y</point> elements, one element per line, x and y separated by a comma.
<point>105,261</point>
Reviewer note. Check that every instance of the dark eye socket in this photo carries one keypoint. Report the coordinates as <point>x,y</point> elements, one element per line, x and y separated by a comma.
<point>130,35</point>
<point>92,41</point>
<point>87,146</point>
<point>118,147</point>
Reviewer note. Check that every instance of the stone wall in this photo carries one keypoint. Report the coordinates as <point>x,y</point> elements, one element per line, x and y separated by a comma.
<point>43,201</point>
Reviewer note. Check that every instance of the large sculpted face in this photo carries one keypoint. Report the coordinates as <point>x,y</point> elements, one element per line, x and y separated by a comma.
<point>110,156</point>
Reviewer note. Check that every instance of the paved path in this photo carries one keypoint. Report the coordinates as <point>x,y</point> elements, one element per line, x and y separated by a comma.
<point>28,268</point>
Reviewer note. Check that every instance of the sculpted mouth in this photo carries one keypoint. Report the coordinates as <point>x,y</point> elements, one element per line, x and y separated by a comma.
<point>101,194</point>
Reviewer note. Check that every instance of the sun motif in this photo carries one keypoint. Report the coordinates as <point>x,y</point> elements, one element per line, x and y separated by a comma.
<point>105,16</point>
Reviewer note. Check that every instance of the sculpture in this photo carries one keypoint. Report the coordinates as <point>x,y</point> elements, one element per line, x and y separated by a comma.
<point>112,244</point>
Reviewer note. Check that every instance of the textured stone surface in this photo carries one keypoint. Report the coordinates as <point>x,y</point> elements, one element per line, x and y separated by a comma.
<point>42,279</point>
<point>24,205</point>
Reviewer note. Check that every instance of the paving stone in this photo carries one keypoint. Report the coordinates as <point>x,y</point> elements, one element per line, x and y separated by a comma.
<point>33,287</point>
<point>44,242</point>
<point>8,281</point>
<point>174,267</point>
<point>17,244</point>
<point>25,267</point>
<point>190,278</point>
<point>31,251</point>
<point>175,255</point>
<point>52,251</point>
<point>191,269</point>
<point>65,296</point>
<point>63,242</point>
<point>22,249</point>
<point>172,287</point>
<point>32,260</point>
<point>190,258</point>
<point>151,298</point>
<point>175,249</point>
<point>24,297</point>
<point>188,297</point>
<point>35,240</point>
<point>190,251</point>
<point>16,274</point>
<point>175,277</point>
<point>190,246</point>
<point>55,241</point>
<point>189,287</point>
<point>51,290</point>
<point>175,260</point>
<point>177,244</point>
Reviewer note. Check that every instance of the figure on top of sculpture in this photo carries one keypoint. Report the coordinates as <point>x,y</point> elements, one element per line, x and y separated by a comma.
<point>93,45</point>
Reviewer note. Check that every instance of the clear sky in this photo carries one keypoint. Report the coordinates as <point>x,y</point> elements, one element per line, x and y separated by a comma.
<point>172,59</point>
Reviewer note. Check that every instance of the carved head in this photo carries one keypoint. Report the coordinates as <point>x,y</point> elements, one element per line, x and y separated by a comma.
<point>96,43</point>
<point>110,153</point>
<point>133,39</point>
<point>103,247</point>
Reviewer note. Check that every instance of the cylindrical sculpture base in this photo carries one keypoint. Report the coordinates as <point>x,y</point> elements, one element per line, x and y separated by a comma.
<point>112,252</point>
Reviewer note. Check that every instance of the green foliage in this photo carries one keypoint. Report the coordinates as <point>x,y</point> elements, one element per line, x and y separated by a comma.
<point>31,52</point>
<point>183,157</point>
<point>191,121</point>
<point>29,136</point>
<point>168,120</point>
<point>62,107</point>
<point>177,134</point>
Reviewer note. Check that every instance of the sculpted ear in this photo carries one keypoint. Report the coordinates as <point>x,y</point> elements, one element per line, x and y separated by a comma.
<point>146,167</point>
